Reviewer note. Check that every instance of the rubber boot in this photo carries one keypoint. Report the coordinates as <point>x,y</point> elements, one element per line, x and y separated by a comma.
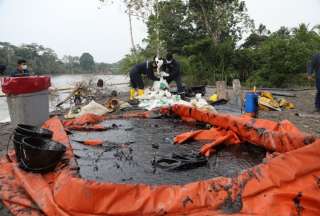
<point>132,94</point>
<point>140,92</point>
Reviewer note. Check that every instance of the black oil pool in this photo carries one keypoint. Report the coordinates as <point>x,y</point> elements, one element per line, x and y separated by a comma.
<point>142,151</point>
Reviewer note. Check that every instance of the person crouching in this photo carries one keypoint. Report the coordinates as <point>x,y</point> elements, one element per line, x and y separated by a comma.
<point>146,68</point>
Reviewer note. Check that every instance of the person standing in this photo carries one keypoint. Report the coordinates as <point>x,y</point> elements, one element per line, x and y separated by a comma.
<point>21,70</point>
<point>172,67</point>
<point>314,66</point>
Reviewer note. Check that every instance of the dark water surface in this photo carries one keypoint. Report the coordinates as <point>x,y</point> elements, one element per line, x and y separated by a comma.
<point>133,145</point>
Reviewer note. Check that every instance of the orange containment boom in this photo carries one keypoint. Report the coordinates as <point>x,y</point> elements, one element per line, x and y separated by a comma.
<point>286,184</point>
<point>273,136</point>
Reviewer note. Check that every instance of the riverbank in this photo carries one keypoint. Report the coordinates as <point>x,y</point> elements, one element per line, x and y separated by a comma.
<point>115,82</point>
<point>303,101</point>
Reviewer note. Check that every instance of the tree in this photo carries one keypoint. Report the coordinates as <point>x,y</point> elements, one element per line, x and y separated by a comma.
<point>316,29</point>
<point>283,32</point>
<point>146,9</point>
<point>71,63</point>
<point>257,37</point>
<point>87,62</point>
<point>220,18</point>
<point>132,6</point>
<point>280,61</point>
<point>174,27</point>
<point>142,9</point>
<point>205,35</point>
<point>42,60</point>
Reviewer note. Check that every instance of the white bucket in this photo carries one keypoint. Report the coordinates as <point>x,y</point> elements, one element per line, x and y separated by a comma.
<point>30,109</point>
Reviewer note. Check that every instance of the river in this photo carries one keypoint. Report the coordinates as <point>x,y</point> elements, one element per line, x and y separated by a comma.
<point>65,81</point>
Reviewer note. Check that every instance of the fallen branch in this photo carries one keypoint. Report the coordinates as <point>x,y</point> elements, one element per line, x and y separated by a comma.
<point>306,115</point>
<point>280,93</point>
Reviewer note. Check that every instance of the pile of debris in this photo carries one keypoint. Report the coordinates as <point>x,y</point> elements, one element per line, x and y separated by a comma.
<point>159,98</point>
<point>159,95</point>
<point>155,97</point>
<point>268,102</point>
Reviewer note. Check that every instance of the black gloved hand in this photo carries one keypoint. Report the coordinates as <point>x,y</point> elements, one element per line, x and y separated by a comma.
<point>2,68</point>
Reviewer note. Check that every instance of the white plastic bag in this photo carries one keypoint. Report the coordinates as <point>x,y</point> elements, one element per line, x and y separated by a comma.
<point>160,85</point>
<point>94,108</point>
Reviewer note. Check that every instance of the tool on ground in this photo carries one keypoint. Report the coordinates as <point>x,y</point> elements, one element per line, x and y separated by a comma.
<point>180,162</point>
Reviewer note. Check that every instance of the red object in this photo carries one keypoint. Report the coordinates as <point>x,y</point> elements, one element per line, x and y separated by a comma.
<point>93,142</point>
<point>24,85</point>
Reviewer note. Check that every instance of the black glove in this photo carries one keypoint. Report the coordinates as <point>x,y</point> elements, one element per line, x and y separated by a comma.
<point>2,68</point>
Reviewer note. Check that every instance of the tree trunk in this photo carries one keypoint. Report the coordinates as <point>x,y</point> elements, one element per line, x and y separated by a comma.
<point>131,31</point>
<point>158,31</point>
<point>207,24</point>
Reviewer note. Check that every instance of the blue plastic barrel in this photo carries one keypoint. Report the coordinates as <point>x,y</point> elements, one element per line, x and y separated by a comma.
<point>251,103</point>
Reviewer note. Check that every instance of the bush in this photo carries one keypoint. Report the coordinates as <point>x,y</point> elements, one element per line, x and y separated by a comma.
<point>281,61</point>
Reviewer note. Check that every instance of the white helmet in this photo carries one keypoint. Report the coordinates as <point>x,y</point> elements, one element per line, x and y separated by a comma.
<point>159,62</point>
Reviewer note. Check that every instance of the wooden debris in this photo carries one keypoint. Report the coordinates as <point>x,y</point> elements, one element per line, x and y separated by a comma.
<point>269,106</point>
<point>280,93</point>
<point>81,88</point>
<point>306,115</point>
<point>237,98</point>
<point>222,90</point>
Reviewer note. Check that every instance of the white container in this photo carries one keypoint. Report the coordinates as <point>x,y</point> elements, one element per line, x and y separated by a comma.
<point>31,109</point>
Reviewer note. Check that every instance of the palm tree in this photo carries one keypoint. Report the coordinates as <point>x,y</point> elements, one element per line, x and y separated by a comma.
<point>316,29</point>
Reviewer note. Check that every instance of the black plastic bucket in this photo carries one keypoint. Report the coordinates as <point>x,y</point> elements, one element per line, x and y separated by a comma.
<point>17,141</point>
<point>39,154</point>
<point>33,131</point>
<point>23,131</point>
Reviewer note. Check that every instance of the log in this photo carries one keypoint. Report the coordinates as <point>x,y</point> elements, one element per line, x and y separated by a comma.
<point>269,89</point>
<point>280,93</point>
<point>269,106</point>
<point>306,115</point>
<point>126,83</point>
<point>237,93</point>
<point>222,90</point>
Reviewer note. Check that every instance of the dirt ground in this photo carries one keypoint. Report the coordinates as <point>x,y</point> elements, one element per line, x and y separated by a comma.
<point>5,133</point>
<point>304,102</point>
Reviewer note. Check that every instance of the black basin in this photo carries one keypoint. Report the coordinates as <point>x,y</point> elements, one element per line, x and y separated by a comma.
<point>39,154</point>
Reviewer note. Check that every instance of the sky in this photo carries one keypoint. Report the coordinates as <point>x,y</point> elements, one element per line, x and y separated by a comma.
<point>71,27</point>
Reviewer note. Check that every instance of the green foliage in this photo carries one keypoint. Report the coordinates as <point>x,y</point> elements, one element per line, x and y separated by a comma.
<point>220,19</point>
<point>42,60</point>
<point>130,60</point>
<point>282,58</point>
<point>203,41</point>
<point>87,62</point>
<point>211,61</point>
<point>205,35</point>
<point>174,27</point>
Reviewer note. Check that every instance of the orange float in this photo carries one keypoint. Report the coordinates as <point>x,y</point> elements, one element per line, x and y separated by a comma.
<point>287,183</point>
